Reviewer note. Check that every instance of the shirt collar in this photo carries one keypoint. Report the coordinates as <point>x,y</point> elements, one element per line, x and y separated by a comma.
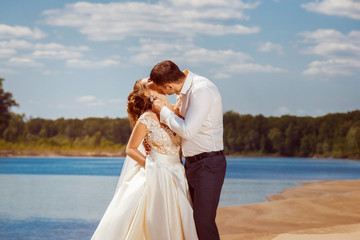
<point>188,81</point>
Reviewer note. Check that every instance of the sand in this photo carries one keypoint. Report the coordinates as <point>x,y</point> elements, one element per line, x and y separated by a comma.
<point>327,210</point>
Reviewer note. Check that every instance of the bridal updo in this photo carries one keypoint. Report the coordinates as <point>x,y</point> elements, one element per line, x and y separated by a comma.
<point>138,103</point>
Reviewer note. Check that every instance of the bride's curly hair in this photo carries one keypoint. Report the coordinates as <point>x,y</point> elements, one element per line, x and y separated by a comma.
<point>138,103</point>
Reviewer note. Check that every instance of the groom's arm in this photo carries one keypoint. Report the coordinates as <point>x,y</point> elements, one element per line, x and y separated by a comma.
<point>200,104</point>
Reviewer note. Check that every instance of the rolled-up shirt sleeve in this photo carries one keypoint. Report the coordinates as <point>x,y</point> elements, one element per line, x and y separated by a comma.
<point>200,102</point>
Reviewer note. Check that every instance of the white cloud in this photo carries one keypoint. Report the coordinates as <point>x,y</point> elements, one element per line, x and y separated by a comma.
<point>24,62</point>
<point>151,51</point>
<point>88,64</point>
<point>330,35</point>
<point>342,8</point>
<point>226,62</point>
<point>252,67</point>
<point>301,112</point>
<point>269,47</point>
<point>221,76</point>
<point>96,103</point>
<point>22,44</point>
<point>216,3</point>
<point>333,67</point>
<point>340,52</point>
<point>7,31</point>
<point>115,21</point>
<point>281,111</point>
<point>203,55</point>
<point>88,98</point>
<point>5,53</point>
<point>90,101</point>
<point>53,54</point>
<point>8,49</point>
<point>333,49</point>
<point>57,46</point>
<point>16,44</point>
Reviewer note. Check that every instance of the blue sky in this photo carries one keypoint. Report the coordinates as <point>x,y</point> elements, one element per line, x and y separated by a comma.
<point>76,59</point>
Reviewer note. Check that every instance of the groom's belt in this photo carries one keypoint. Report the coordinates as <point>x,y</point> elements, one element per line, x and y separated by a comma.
<point>203,155</point>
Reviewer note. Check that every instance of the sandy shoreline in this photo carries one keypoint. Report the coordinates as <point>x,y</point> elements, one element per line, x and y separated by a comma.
<point>325,210</point>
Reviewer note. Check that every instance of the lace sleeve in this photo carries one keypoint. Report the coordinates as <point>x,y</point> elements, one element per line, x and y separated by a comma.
<point>147,120</point>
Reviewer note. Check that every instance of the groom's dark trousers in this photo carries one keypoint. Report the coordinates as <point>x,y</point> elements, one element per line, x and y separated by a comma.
<point>205,173</point>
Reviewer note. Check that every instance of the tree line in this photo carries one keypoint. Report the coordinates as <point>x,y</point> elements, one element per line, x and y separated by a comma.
<point>90,134</point>
<point>332,135</point>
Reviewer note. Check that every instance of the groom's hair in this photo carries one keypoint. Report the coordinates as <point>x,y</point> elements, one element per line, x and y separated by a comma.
<point>166,72</point>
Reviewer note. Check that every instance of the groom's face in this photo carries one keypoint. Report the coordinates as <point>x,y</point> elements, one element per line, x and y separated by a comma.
<point>168,89</point>
<point>151,88</point>
<point>149,84</point>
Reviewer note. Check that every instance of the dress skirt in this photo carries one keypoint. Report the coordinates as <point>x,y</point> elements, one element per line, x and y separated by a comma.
<point>152,203</point>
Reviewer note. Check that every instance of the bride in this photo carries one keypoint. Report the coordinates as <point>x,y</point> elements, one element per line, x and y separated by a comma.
<point>152,200</point>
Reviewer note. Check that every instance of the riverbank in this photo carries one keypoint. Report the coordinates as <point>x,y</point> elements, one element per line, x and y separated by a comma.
<point>101,153</point>
<point>325,210</point>
<point>60,153</point>
<point>256,154</point>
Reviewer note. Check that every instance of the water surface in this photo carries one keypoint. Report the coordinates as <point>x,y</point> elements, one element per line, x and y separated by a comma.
<point>64,198</point>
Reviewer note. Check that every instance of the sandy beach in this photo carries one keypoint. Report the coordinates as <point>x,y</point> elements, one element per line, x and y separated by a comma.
<point>327,210</point>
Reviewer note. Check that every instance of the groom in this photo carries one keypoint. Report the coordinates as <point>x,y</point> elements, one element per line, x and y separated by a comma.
<point>199,103</point>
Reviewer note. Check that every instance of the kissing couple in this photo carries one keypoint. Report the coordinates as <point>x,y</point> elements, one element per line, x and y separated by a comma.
<point>157,198</point>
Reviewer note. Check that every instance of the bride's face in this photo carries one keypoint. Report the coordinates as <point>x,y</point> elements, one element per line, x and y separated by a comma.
<point>151,88</point>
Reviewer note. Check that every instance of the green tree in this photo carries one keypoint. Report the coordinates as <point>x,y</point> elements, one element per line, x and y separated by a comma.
<point>353,139</point>
<point>15,128</point>
<point>276,138</point>
<point>6,102</point>
<point>34,126</point>
<point>308,146</point>
<point>292,140</point>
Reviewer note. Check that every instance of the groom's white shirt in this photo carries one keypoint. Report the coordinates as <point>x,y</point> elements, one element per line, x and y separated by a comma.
<point>200,104</point>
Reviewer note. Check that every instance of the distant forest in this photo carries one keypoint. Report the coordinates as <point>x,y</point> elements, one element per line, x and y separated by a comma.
<point>332,135</point>
<point>66,136</point>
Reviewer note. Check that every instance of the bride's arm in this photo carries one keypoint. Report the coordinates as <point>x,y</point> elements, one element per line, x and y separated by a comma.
<point>136,137</point>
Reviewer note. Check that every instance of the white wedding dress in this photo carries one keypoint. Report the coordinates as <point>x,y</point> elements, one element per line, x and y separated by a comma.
<point>151,203</point>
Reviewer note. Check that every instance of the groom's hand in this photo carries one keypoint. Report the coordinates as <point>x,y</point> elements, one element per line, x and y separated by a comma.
<point>147,147</point>
<point>157,105</point>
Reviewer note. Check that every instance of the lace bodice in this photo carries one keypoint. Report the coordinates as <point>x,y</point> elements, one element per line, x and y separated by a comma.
<point>160,137</point>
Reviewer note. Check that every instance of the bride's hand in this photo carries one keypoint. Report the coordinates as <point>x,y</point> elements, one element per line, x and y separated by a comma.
<point>157,105</point>
<point>162,97</point>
